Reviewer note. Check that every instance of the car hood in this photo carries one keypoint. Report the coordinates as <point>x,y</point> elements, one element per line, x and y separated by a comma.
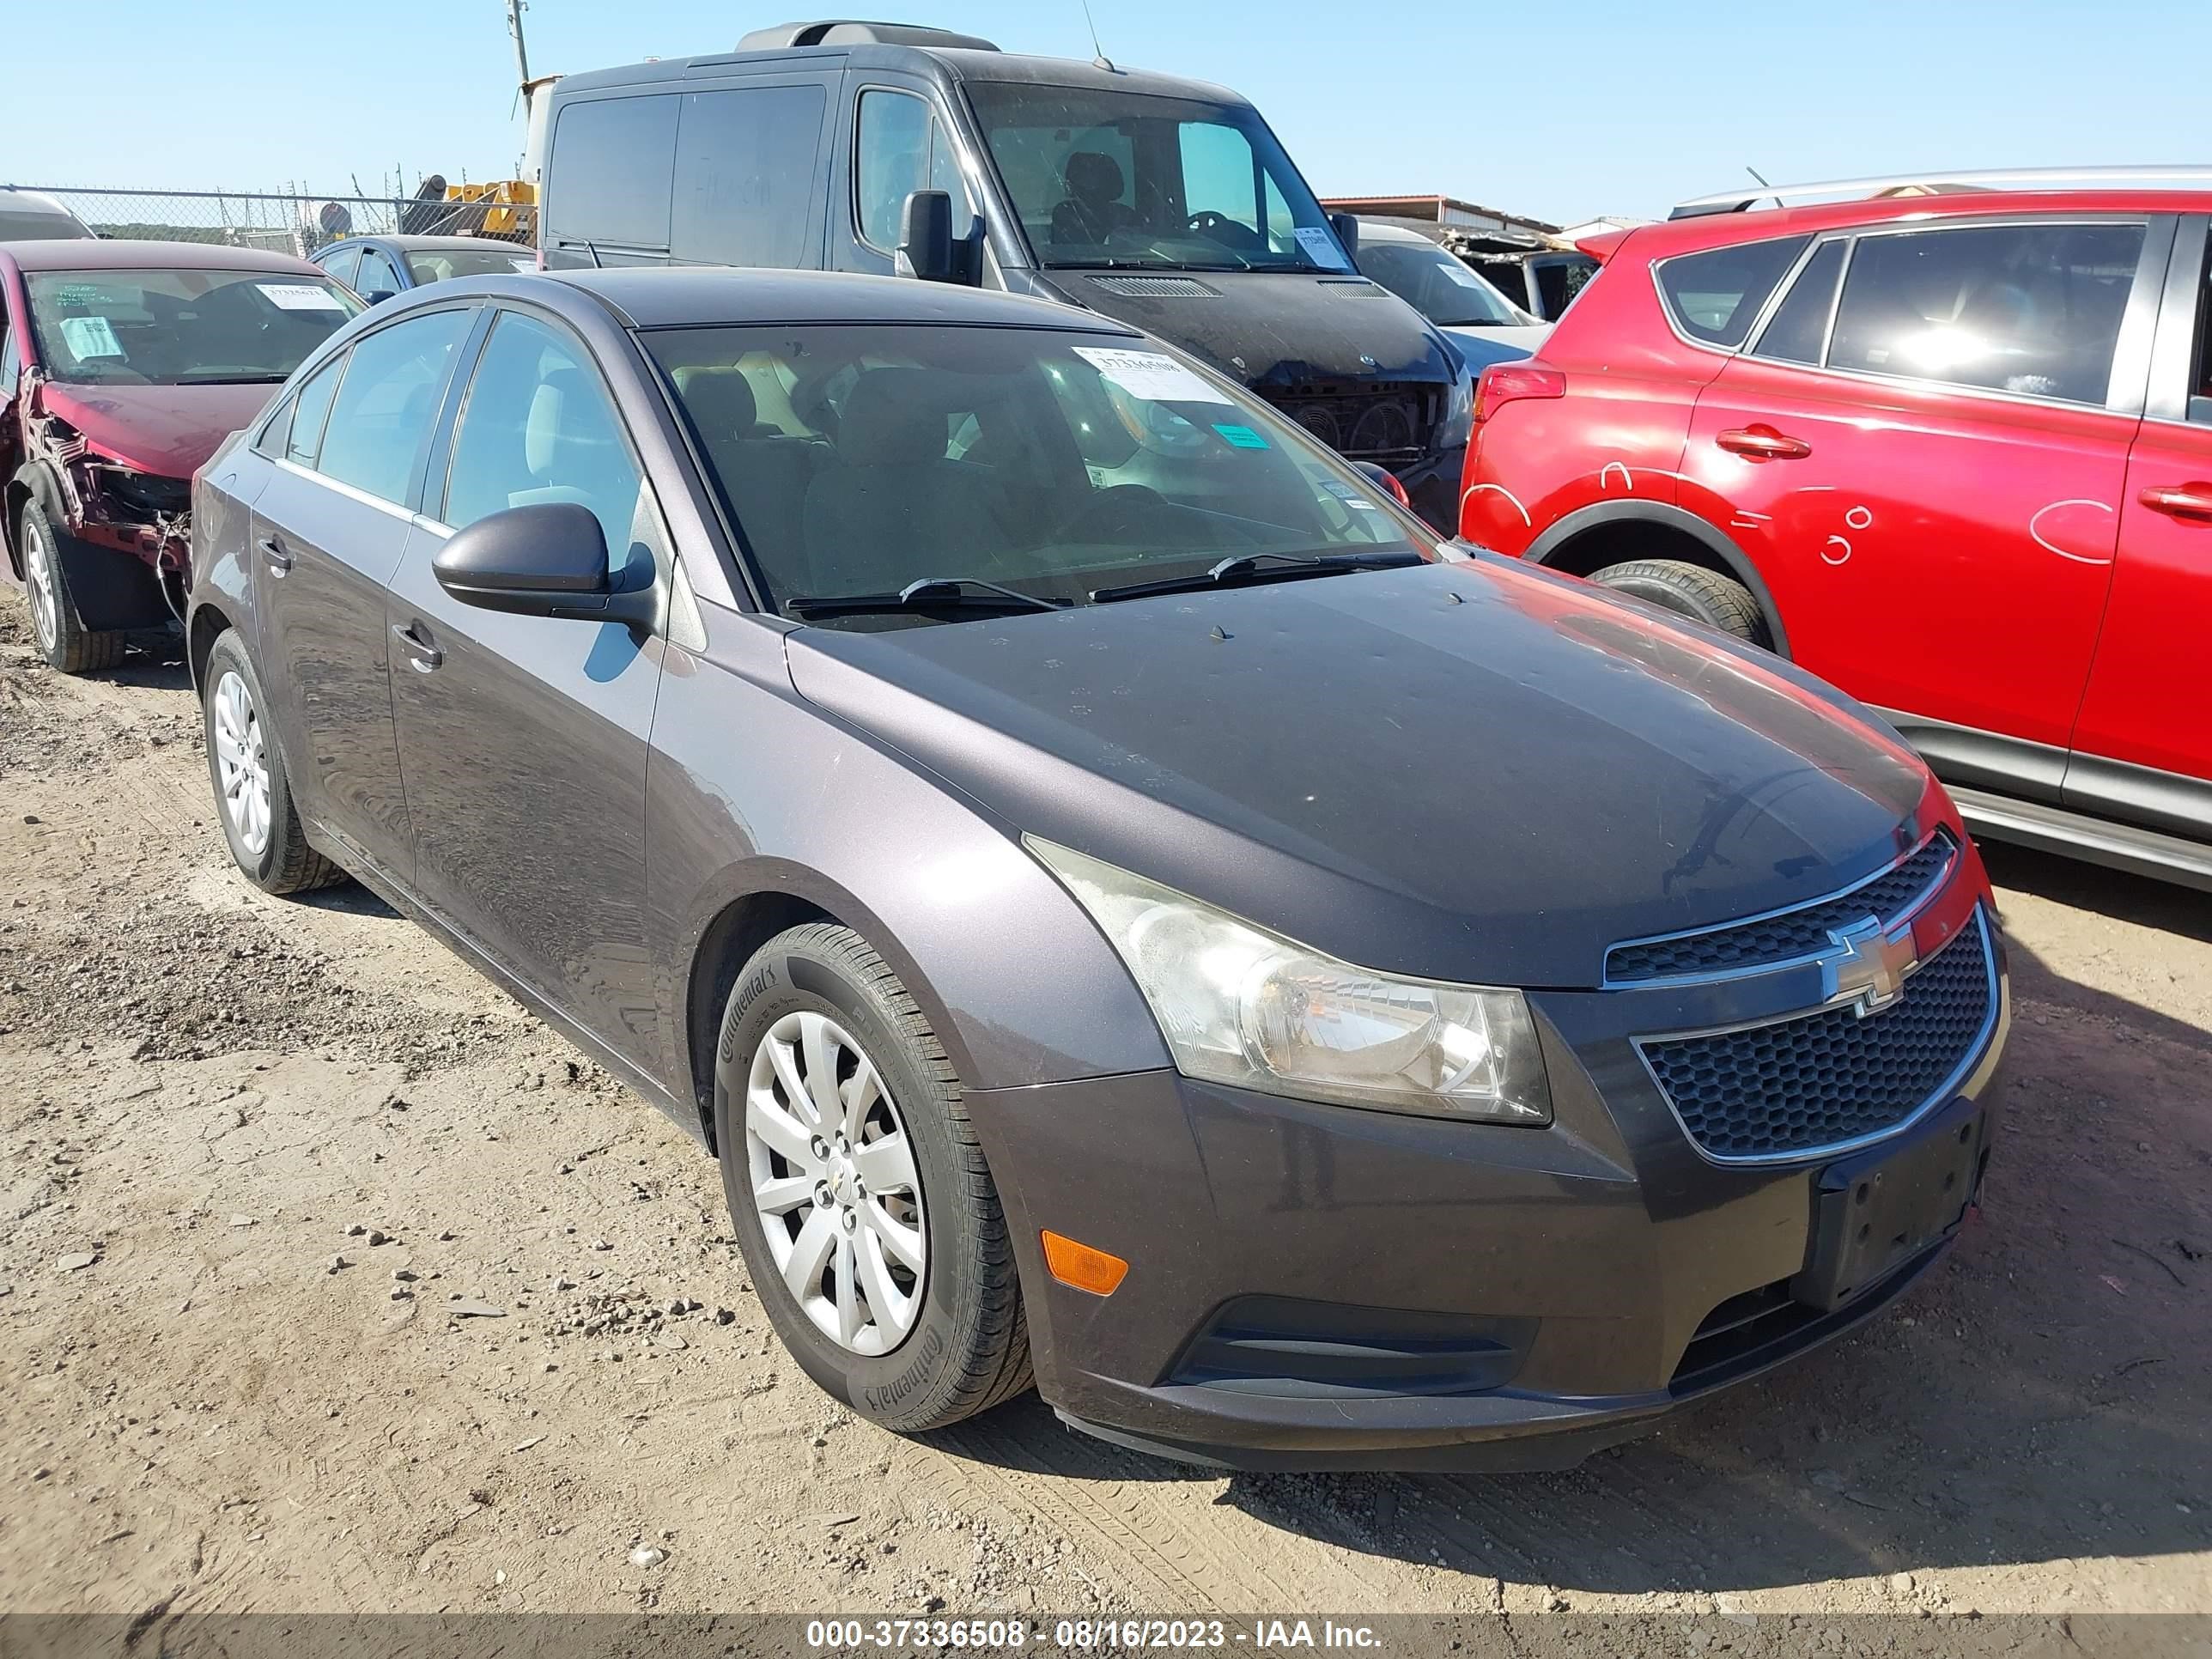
<point>1468,771</point>
<point>1482,347</point>
<point>166,430</point>
<point>1270,329</point>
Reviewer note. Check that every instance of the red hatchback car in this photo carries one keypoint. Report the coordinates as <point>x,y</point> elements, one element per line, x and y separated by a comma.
<point>1951,449</point>
<point>123,365</point>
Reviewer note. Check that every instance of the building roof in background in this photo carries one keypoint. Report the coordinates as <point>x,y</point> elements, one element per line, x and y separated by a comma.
<point>1449,211</point>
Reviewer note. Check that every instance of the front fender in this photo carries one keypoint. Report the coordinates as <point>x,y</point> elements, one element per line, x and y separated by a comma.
<point>753,791</point>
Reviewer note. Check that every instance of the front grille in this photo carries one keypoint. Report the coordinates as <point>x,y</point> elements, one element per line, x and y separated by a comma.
<point>1790,936</point>
<point>1820,1080</point>
<point>1386,420</point>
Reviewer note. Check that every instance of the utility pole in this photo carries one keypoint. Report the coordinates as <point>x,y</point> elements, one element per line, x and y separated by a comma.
<point>515,10</point>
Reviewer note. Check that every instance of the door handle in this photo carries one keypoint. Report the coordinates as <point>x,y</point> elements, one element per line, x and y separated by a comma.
<point>424,655</point>
<point>273,550</point>
<point>2191,500</point>
<point>1762,442</point>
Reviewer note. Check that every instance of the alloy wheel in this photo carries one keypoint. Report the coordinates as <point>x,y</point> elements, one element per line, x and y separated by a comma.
<point>241,758</point>
<point>835,1184</point>
<point>42,583</point>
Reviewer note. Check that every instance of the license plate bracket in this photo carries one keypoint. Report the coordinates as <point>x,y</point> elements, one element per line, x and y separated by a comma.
<point>1874,1213</point>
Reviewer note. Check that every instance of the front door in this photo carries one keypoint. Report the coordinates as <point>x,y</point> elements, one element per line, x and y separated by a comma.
<point>2144,744</point>
<point>523,740</point>
<point>327,533</point>
<point>1927,468</point>
<point>896,143</point>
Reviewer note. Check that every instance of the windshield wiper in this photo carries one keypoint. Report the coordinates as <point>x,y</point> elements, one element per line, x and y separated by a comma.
<point>1241,569</point>
<point>233,379</point>
<point>925,593</point>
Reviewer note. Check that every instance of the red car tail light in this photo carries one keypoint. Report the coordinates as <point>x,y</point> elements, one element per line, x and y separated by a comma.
<point>1503,383</point>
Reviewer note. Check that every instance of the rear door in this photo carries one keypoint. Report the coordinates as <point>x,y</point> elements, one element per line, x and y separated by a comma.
<point>328,531</point>
<point>2142,747</point>
<point>523,740</point>
<point>748,187</point>
<point>609,169</point>
<point>1923,452</point>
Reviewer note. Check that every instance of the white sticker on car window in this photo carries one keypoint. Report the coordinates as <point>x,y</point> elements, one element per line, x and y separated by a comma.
<point>302,296</point>
<point>90,336</point>
<point>1320,244</point>
<point>1150,374</point>
<point>1460,274</point>
<point>524,265</point>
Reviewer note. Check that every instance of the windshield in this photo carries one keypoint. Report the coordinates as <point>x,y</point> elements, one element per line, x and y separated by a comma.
<point>181,327</point>
<point>858,458</point>
<point>1438,286</point>
<point>1110,179</point>
<point>499,259</point>
<point>35,227</point>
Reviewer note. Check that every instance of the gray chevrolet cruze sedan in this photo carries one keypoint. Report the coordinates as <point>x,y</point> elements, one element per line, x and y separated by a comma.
<point>1126,905</point>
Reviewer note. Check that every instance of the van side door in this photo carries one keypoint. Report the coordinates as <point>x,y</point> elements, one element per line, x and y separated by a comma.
<point>748,185</point>
<point>609,164</point>
<point>895,139</point>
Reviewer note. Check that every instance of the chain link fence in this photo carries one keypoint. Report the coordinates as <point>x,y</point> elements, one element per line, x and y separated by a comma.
<point>297,224</point>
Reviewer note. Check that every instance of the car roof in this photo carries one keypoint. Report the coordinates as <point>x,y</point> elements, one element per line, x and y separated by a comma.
<point>691,295</point>
<point>1726,230</point>
<point>101,255</point>
<point>433,244</point>
<point>959,63</point>
<point>1381,230</point>
<point>16,199</point>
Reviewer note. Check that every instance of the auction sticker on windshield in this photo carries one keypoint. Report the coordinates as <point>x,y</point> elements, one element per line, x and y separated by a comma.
<point>1321,247</point>
<point>90,336</point>
<point>300,296</point>
<point>1152,375</point>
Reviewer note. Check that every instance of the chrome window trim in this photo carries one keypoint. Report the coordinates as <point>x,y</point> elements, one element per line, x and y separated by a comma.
<point>352,492</point>
<point>1976,1051</point>
<point>1759,322</point>
<point>1921,901</point>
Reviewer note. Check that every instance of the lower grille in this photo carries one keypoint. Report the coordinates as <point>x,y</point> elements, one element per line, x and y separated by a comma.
<point>1798,1086</point>
<point>1390,422</point>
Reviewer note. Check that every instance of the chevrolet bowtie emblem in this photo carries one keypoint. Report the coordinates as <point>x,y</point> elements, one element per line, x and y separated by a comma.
<point>1867,969</point>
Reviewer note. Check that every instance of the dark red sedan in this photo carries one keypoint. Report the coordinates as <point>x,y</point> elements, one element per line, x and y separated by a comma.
<point>123,365</point>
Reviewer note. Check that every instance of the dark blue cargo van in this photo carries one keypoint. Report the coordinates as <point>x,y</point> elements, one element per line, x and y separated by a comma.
<point>889,148</point>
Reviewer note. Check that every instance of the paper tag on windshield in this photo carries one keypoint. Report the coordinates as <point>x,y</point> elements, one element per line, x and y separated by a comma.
<point>1321,247</point>
<point>1152,375</point>
<point>300,296</point>
<point>90,336</point>
<point>524,265</point>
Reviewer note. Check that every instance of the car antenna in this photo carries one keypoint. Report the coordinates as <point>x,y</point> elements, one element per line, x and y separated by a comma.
<point>1101,61</point>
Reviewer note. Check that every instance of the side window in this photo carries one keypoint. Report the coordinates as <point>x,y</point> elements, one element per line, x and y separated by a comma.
<point>1799,328</point>
<point>1715,297</point>
<point>344,265</point>
<point>540,426</point>
<point>746,168</point>
<point>276,431</point>
<point>2030,308</point>
<point>311,410</point>
<point>900,147</point>
<point>609,180</point>
<point>377,276</point>
<point>381,416</point>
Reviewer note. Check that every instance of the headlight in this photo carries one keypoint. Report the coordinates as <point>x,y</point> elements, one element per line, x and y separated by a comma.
<point>1242,1006</point>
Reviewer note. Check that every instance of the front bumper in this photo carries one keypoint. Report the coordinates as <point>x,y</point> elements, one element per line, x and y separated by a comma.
<point>1316,1287</point>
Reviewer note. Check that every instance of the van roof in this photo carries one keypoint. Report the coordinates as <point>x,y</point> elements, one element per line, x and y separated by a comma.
<point>953,62</point>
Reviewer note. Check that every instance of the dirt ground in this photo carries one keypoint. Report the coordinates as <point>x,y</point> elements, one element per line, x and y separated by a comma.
<point>254,1149</point>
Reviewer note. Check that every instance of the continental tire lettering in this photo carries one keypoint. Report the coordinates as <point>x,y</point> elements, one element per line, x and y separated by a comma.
<point>753,986</point>
<point>889,1397</point>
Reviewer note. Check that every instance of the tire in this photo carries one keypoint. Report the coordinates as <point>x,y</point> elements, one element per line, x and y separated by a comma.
<point>1692,590</point>
<point>964,1344</point>
<point>63,638</point>
<point>253,796</point>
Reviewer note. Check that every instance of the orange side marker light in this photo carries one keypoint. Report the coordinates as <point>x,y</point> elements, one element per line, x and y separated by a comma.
<point>1079,1265</point>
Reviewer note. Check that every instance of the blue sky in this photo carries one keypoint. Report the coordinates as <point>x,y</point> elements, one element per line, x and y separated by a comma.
<point>1559,111</point>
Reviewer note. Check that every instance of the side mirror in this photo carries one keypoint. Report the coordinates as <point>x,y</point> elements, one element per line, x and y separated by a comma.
<point>1384,480</point>
<point>378,296</point>
<point>1346,226</point>
<point>926,238</point>
<point>545,560</point>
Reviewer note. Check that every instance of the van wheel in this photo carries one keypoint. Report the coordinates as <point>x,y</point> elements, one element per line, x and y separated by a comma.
<point>1692,590</point>
<point>861,1198</point>
<point>253,797</point>
<point>64,640</point>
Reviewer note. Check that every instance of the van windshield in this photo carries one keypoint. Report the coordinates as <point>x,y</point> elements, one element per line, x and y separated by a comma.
<point>1107,179</point>
<point>1045,465</point>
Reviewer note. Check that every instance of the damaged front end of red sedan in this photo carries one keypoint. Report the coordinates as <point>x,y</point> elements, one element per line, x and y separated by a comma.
<point>123,369</point>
